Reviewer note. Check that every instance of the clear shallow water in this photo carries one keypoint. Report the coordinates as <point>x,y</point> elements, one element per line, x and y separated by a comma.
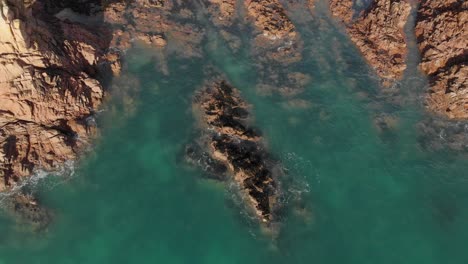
<point>370,197</point>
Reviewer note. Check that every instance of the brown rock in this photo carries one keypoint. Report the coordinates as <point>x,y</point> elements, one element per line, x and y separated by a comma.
<point>270,18</point>
<point>236,147</point>
<point>48,88</point>
<point>157,23</point>
<point>378,32</point>
<point>442,33</point>
<point>342,10</point>
<point>223,11</point>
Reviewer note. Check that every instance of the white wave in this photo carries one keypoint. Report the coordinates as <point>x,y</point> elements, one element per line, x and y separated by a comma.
<point>62,174</point>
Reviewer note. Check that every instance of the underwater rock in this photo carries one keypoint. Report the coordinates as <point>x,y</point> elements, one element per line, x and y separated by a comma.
<point>27,211</point>
<point>232,147</point>
<point>225,16</point>
<point>223,12</point>
<point>276,47</point>
<point>435,134</point>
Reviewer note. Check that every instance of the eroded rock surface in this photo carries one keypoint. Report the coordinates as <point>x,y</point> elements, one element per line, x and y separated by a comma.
<point>378,33</point>
<point>160,24</point>
<point>48,87</point>
<point>233,148</point>
<point>270,18</point>
<point>442,34</point>
<point>223,12</point>
<point>278,40</point>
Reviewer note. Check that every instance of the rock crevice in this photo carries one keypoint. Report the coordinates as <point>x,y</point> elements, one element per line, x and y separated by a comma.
<point>378,32</point>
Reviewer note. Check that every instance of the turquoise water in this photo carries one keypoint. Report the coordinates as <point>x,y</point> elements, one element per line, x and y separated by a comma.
<point>369,196</point>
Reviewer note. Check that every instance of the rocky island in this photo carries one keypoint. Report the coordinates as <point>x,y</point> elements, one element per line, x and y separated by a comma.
<point>230,149</point>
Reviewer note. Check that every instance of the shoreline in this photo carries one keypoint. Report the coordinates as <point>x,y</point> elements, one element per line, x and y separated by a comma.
<point>42,130</point>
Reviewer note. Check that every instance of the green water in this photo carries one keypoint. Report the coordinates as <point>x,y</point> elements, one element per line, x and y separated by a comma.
<point>370,197</point>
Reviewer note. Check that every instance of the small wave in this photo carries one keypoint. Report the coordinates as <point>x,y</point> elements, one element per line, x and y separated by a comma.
<point>294,183</point>
<point>42,179</point>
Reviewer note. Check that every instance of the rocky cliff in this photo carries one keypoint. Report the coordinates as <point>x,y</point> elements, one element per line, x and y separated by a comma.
<point>378,33</point>
<point>49,88</point>
<point>442,35</point>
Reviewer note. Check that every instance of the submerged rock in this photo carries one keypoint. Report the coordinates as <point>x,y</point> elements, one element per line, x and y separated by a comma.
<point>27,211</point>
<point>233,149</point>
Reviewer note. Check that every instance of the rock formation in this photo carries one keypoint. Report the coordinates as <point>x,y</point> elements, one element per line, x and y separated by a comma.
<point>442,35</point>
<point>49,91</point>
<point>48,88</point>
<point>378,33</point>
<point>277,46</point>
<point>156,23</point>
<point>278,40</point>
<point>270,18</point>
<point>230,148</point>
<point>223,12</point>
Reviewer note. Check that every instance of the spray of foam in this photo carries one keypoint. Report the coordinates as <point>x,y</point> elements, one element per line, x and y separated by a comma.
<point>44,179</point>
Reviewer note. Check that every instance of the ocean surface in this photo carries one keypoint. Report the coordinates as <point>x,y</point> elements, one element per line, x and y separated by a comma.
<point>357,192</point>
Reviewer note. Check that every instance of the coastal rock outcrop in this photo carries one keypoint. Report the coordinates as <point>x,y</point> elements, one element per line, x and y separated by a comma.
<point>276,47</point>
<point>49,88</point>
<point>378,32</point>
<point>160,24</point>
<point>270,18</point>
<point>223,12</point>
<point>231,149</point>
<point>278,40</point>
<point>442,35</point>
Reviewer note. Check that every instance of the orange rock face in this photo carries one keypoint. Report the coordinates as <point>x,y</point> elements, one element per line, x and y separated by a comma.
<point>152,22</point>
<point>223,11</point>
<point>340,9</point>
<point>378,33</point>
<point>442,33</point>
<point>48,89</point>
<point>270,18</point>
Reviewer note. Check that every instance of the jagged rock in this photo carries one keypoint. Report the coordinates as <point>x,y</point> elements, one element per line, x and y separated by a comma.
<point>342,10</point>
<point>48,87</point>
<point>232,148</point>
<point>442,34</point>
<point>158,24</point>
<point>270,18</point>
<point>278,40</point>
<point>378,32</point>
<point>223,12</point>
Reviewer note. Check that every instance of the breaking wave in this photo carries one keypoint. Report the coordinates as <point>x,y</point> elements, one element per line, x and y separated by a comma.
<point>42,179</point>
